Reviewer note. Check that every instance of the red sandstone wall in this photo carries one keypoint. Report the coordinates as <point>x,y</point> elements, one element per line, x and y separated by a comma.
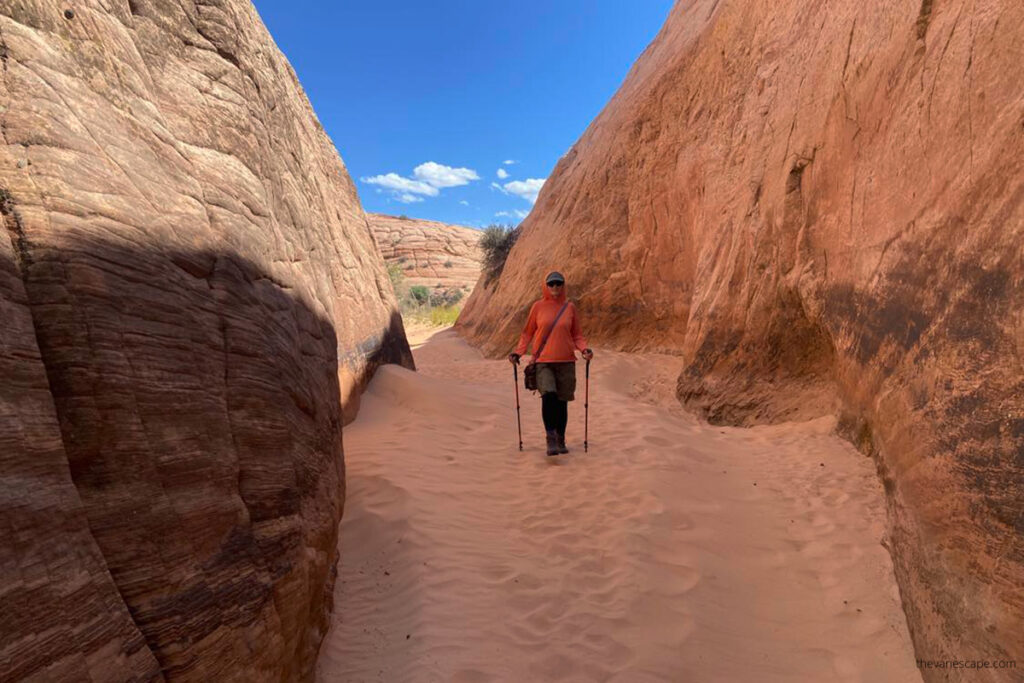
<point>820,207</point>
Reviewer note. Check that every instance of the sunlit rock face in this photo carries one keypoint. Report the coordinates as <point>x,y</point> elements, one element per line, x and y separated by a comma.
<point>191,301</point>
<point>429,253</point>
<point>819,208</point>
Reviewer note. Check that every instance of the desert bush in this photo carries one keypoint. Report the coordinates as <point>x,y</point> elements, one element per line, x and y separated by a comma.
<point>445,315</point>
<point>420,294</point>
<point>440,308</point>
<point>446,297</point>
<point>496,242</point>
<point>448,264</point>
<point>396,276</point>
<point>398,284</point>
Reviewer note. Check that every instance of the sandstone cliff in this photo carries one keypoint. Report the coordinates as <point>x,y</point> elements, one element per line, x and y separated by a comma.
<point>432,254</point>
<point>821,208</point>
<point>189,291</point>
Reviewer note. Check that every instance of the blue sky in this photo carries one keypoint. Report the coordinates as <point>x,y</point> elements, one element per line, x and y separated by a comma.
<point>456,110</point>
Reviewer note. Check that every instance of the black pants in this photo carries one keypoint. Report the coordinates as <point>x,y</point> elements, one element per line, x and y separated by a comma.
<point>555,413</point>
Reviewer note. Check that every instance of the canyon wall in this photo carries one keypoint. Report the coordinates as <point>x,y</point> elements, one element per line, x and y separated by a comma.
<point>819,208</point>
<point>192,300</point>
<point>429,253</point>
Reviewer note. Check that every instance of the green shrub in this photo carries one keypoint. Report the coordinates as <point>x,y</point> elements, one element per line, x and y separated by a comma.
<point>420,293</point>
<point>395,275</point>
<point>446,315</point>
<point>496,243</point>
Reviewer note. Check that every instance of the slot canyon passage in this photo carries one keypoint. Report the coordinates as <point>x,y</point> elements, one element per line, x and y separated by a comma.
<point>794,236</point>
<point>673,550</point>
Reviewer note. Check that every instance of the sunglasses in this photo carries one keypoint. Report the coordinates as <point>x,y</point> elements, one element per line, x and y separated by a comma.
<point>555,284</point>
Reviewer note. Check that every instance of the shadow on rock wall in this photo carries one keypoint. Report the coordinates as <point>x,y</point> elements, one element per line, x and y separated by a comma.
<point>198,408</point>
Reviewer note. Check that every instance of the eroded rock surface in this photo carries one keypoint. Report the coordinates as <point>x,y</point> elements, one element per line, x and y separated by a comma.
<point>432,254</point>
<point>190,294</point>
<point>62,617</point>
<point>821,208</point>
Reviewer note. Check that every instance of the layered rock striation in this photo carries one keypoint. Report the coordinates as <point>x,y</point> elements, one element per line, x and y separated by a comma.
<point>821,210</point>
<point>432,254</point>
<point>192,300</point>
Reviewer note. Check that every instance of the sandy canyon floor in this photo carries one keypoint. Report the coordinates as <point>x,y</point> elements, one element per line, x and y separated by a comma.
<point>671,551</point>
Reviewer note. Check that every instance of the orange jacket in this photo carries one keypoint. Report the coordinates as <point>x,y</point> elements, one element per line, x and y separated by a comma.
<point>564,340</point>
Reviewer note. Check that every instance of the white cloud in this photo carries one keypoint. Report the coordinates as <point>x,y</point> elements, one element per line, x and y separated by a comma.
<point>514,213</point>
<point>509,162</point>
<point>393,181</point>
<point>496,186</point>
<point>439,175</point>
<point>427,181</point>
<point>464,202</point>
<point>502,173</point>
<point>527,189</point>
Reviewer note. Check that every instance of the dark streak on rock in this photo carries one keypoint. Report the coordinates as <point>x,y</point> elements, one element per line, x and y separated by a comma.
<point>791,349</point>
<point>924,18</point>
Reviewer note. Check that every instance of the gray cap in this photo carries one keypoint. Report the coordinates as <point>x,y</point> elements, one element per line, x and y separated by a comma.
<point>554,276</point>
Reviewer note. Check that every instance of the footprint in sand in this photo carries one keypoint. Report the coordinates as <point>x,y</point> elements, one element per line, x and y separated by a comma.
<point>658,441</point>
<point>471,676</point>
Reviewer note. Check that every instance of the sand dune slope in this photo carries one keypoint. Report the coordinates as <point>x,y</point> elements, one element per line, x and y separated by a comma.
<point>671,551</point>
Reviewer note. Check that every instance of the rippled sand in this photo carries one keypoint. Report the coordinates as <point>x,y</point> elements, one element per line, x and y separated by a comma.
<point>672,551</point>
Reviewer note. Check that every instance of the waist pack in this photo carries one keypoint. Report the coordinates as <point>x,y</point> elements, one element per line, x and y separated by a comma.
<point>530,371</point>
<point>530,376</point>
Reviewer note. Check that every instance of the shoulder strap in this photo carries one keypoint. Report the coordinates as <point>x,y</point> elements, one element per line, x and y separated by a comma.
<point>550,330</point>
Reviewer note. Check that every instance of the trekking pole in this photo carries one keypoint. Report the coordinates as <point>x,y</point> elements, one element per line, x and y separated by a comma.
<point>586,407</point>
<point>515,382</point>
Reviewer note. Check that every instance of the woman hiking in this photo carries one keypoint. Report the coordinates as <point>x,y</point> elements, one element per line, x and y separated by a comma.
<point>554,327</point>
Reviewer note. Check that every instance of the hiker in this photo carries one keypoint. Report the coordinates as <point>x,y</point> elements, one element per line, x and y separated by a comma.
<point>554,328</point>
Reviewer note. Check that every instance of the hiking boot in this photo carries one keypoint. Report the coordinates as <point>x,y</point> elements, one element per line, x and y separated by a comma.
<point>552,442</point>
<point>561,443</point>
